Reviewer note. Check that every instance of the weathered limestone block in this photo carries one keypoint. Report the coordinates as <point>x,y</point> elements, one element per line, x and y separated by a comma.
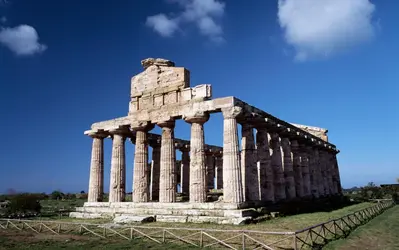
<point>305,170</point>
<point>140,178</point>
<point>210,171</point>
<point>249,169</point>
<point>118,167</point>
<point>277,165</point>
<point>155,171</point>
<point>197,158</point>
<point>126,219</point>
<point>232,182</point>
<point>96,182</point>
<point>167,182</point>
<point>288,168</point>
<point>185,170</point>
<point>266,179</point>
<point>296,161</point>
<point>318,132</point>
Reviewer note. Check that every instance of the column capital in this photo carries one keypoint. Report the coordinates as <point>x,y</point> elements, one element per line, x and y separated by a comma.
<point>167,124</point>
<point>232,113</point>
<point>142,126</point>
<point>122,131</point>
<point>200,118</point>
<point>97,134</point>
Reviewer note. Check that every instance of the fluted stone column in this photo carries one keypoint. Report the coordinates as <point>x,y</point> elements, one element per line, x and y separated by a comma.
<point>330,173</point>
<point>265,179</point>
<point>249,169</point>
<point>288,168</point>
<point>232,180</point>
<point>140,177</point>
<point>336,170</point>
<point>155,171</point>
<point>318,173</point>
<point>313,176</point>
<point>210,171</point>
<point>219,172</point>
<point>305,170</point>
<point>324,173</point>
<point>96,181</point>
<point>277,165</point>
<point>118,167</point>
<point>167,181</point>
<point>333,174</point>
<point>198,184</point>
<point>185,170</point>
<point>296,162</point>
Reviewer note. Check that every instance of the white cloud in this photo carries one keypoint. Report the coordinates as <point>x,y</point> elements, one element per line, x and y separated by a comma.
<point>203,13</point>
<point>320,28</point>
<point>162,24</point>
<point>22,40</point>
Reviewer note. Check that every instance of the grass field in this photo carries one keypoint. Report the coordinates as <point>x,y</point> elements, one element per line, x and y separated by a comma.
<point>25,240</point>
<point>381,233</point>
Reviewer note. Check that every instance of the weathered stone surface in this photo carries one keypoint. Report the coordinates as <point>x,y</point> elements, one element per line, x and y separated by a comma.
<point>155,171</point>
<point>140,177</point>
<point>288,168</point>
<point>167,182</point>
<point>232,182</point>
<point>305,170</point>
<point>156,61</point>
<point>126,219</point>
<point>219,172</point>
<point>96,182</point>
<point>277,165</point>
<point>185,170</point>
<point>118,168</point>
<point>266,178</point>
<point>319,132</point>
<point>249,169</point>
<point>296,162</point>
<point>197,161</point>
<point>210,171</point>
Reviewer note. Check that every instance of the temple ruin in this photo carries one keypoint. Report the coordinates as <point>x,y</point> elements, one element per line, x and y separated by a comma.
<point>287,162</point>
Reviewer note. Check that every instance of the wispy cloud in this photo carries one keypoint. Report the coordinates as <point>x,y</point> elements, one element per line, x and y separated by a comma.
<point>205,14</point>
<point>23,40</point>
<point>3,19</point>
<point>319,28</point>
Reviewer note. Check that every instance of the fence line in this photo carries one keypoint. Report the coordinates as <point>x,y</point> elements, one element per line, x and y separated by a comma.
<point>311,237</point>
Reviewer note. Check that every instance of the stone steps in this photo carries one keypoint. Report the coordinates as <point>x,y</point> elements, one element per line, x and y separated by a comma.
<point>168,211</point>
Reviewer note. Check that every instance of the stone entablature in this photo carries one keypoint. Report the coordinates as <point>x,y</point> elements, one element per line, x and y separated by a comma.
<point>287,162</point>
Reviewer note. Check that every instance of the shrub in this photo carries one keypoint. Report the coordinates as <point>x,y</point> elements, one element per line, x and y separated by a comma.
<point>22,204</point>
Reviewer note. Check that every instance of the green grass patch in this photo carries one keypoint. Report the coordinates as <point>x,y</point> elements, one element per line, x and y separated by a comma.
<point>381,232</point>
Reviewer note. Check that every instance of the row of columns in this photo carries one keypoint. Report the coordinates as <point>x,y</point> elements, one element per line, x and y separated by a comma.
<point>276,168</point>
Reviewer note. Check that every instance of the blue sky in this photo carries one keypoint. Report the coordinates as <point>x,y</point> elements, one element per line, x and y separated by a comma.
<point>66,64</point>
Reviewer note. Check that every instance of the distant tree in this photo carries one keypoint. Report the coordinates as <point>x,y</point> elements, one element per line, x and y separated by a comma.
<point>24,203</point>
<point>57,195</point>
<point>82,192</point>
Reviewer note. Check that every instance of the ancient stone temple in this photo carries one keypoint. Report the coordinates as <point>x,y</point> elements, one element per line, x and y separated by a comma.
<point>274,161</point>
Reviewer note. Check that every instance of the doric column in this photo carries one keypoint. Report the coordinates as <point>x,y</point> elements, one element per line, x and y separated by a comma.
<point>140,177</point>
<point>313,175</point>
<point>318,174</point>
<point>210,171</point>
<point>296,162</point>
<point>198,184</point>
<point>305,170</point>
<point>232,181</point>
<point>155,170</point>
<point>337,174</point>
<point>118,167</point>
<point>219,172</point>
<point>96,181</point>
<point>185,170</point>
<point>249,169</point>
<point>277,165</point>
<point>167,181</point>
<point>330,173</point>
<point>265,179</point>
<point>324,172</point>
<point>288,168</point>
